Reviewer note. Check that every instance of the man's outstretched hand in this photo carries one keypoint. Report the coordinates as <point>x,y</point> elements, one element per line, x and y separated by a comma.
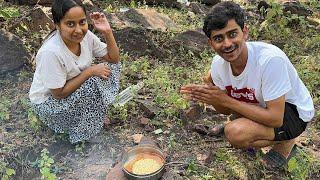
<point>205,93</point>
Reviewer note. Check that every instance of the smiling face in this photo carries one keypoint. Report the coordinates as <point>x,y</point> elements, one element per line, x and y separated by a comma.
<point>73,26</point>
<point>229,42</point>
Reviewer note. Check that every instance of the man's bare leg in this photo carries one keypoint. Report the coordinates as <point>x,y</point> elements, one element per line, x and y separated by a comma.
<point>284,147</point>
<point>244,133</point>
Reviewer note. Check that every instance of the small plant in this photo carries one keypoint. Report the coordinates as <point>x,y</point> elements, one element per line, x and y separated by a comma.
<point>5,104</point>
<point>302,164</point>
<point>32,117</point>
<point>6,172</point>
<point>9,12</point>
<point>80,147</point>
<point>45,164</point>
<point>192,168</point>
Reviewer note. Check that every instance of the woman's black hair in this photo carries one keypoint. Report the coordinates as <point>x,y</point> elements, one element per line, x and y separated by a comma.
<point>220,14</point>
<point>61,7</point>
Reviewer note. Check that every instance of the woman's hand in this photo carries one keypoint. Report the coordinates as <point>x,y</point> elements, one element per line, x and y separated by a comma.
<point>100,22</point>
<point>100,70</point>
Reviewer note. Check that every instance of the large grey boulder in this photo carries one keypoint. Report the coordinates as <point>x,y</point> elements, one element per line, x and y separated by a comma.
<point>13,55</point>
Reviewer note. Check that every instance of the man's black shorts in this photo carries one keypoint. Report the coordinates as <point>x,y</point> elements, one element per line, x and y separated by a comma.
<point>292,126</point>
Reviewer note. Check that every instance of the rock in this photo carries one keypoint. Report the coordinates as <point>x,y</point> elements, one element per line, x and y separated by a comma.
<point>144,120</point>
<point>148,128</point>
<point>294,7</point>
<point>39,20</point>
<point>210,2</point>
<point>166,3</point>
<point>194,112</point>
<point>209,158</point>
<point>138,42</point>
<point>13,54</point>
<point>145,140</point>
<point>172,175</point>
<point>198,8</point>
<point>149,110</point>
<point>137,138</point>
<point>31,2</point>
<point>116,173</point>
<point>146,18</point>
<point>318,28</point>
<point>42,2</point>
<point>192,40</point>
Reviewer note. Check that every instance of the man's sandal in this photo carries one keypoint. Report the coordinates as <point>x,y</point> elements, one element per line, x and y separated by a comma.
<point>273,160</point>
<point>217,130</point>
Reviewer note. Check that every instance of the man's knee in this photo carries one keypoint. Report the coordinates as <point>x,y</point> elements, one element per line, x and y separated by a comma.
<point>236,134</point>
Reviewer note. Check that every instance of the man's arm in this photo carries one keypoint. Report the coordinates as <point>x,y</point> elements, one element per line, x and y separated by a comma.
<point>271,116</point>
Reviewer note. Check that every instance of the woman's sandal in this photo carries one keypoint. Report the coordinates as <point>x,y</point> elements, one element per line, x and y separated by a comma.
<point>217,130</point>
<point>274,160</point>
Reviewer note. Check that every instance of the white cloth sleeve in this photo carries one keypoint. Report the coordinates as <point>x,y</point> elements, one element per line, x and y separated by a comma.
<point>216,77</point>
<point>52,72</point>
<point>99,48</point>
<point>275,79</point>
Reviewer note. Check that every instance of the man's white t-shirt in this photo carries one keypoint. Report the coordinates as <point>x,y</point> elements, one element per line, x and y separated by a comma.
<point>56,64</point>
<point>268,75</point>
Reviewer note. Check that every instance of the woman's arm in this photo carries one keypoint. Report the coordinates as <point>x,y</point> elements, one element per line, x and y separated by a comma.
<point>73,84</point>
<point>113,54</point>
<point>101,23</point>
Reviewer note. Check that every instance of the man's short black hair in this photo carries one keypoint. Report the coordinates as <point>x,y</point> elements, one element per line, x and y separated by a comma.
<point>220,14</point>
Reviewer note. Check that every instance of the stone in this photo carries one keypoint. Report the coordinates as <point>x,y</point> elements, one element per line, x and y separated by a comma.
<point>144,120</point>
<point>149,110</point>
<point>146,140</point>
<point>294,7</point>
<point>116,173</point>
<point>146,18</point>
<point>210,2</point>
<point>198,8</point>
<point>42,2</point>
<point>318,28</point>
<point>166,3</point>
<point>39,20</point>
<point>31,2</point>
<point>192,40</point>
<point>138,42</point>
<point>13,54</point>
<point>172,175</point>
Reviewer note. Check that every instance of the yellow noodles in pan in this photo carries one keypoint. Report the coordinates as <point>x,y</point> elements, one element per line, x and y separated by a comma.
<point>145,166</point>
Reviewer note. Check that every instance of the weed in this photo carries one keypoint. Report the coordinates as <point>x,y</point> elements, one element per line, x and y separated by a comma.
<point>9,12</point>
<point>80,147</point>
<point>32,117</point>
<point>45,164</point>
<point>172,141</point>
<point>5,171</point>
<point>5,105</point>
<point>302,165</point>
